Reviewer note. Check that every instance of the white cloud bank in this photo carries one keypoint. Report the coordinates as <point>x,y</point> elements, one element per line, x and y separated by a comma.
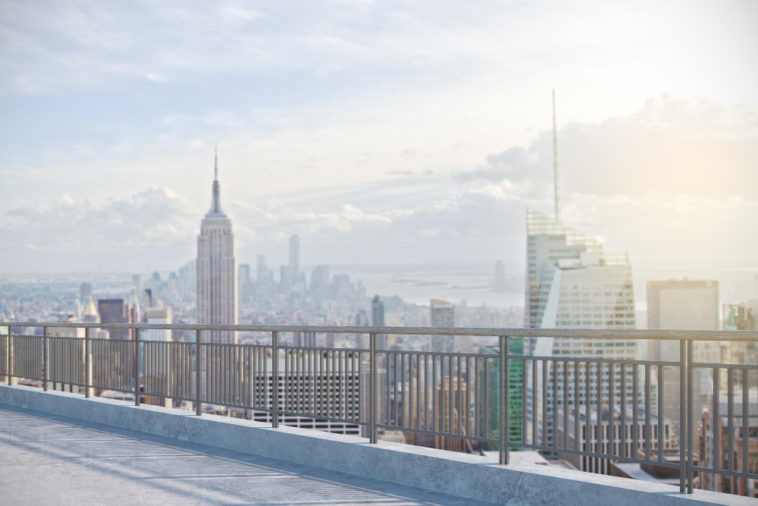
<point>673,184</point>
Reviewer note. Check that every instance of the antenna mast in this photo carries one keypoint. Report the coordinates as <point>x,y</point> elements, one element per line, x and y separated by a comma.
<point>555,164</point>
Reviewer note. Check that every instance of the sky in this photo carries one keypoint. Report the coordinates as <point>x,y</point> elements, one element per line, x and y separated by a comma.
<point>380,132</point>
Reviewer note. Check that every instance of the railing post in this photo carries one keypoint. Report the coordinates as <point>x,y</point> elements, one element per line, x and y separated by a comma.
<point>136,367</point>
<point>275,377</point>
<point>372,389</point>
<point>690,470</point>
<point>87,377</point>
<point>504,400</point>
<point>44,358</point>
<point>683,416</point>
<point>198,375</point>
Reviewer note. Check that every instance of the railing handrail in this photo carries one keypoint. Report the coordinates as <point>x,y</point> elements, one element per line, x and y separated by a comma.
<point>668,335</point>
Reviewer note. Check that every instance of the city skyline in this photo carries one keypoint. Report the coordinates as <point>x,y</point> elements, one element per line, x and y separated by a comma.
<point>431,156</point>
<point>522,232</point>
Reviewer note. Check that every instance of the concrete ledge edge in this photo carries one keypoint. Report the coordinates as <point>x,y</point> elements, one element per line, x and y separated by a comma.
<point>462,475</point>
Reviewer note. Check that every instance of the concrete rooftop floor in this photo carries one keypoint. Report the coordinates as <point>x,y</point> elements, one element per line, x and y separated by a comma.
<point>46,459</point>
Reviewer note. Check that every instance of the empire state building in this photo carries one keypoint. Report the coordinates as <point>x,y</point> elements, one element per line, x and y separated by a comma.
<point>216,270</point>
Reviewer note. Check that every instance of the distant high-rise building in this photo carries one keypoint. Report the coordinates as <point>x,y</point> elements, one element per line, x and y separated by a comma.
<point>137,282</point>
<point>285,276</point>
<point>294,259</point>
<point>244,273</point>
<point>548,241</point>
<point>260,273</point>
<point>85,291</point>
<point>158,315</point>
<point>377,312</point>
<point>216,270</point>
<point>573,284</point>
<point>499,276</point>
<point>491,377</point>
<point>316,393</point>
<point>442,315</point>
<point>186,283</point>
<point>148,297</point>
<point>716,439</point>
<point>342,286</point>
<point>742,316</point>
<point>320,280</point>
<point>114,311</point>
<point>244,282</point>
<point>683,305</point>
<point>90,314</point>
<point>134,305</point>
<point>377,320</point>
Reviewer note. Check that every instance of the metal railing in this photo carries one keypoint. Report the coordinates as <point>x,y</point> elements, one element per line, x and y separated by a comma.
<point>596,408</point>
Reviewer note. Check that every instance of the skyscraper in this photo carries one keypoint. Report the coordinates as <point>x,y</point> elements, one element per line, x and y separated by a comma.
<point>377,320</point>
<point>683,305</point>
<point>442,315</point>
<point>244,282</point>
<point>294,259</point>
<point>113,311</point>
<point>216,270</point>
<point>260,273</point>
<point>85,291</point>
<point>548,241</point>
<point>572,283</point>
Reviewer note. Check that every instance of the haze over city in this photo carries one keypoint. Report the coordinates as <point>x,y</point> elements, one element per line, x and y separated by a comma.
<point>380,133</point>
<point>353,251</point>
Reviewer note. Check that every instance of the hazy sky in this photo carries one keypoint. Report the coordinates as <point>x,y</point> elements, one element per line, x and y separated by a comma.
<point>379,131</point>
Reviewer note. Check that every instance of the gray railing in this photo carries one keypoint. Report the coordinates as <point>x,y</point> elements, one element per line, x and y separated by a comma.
<point>593,408</point>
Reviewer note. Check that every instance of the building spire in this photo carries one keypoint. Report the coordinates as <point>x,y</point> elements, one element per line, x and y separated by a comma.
<point>555,164</point>
<point>216,203</point>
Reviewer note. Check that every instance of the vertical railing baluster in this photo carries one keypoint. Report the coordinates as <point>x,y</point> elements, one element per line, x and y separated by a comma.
<point>716,419</point>
<point>690,470</point>
<point>683,415</point>
<point>730,418</point>
<point>660,419</point>
<point>44,359</point>
<point>468,392</point>
<point>198,375</point>
<point>611,409</point>
<point>504,400</point>
<point>745,419</point>
<point>372,388</point>
<point>9,353</point>
<point>136,368</point>
<point>524,401</point>
<point>534,402</point>
<point>275,375</point>
<point>545,438</point>
<point>635,411</point>
<point>564,366</point>
<point>647,412</point>
<point>577,403</point>
<point>623,432</point>
<point>87,378</point>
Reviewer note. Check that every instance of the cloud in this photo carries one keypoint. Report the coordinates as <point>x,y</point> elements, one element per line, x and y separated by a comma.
<point>68,233</point>
<point>617,179</point>
<point>669,146</point>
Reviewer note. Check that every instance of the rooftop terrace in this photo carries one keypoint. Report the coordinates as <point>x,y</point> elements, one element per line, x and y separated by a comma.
<point>89,448</point>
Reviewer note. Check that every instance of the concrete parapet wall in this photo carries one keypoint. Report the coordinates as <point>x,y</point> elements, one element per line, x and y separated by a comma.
<point>459,474</point>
